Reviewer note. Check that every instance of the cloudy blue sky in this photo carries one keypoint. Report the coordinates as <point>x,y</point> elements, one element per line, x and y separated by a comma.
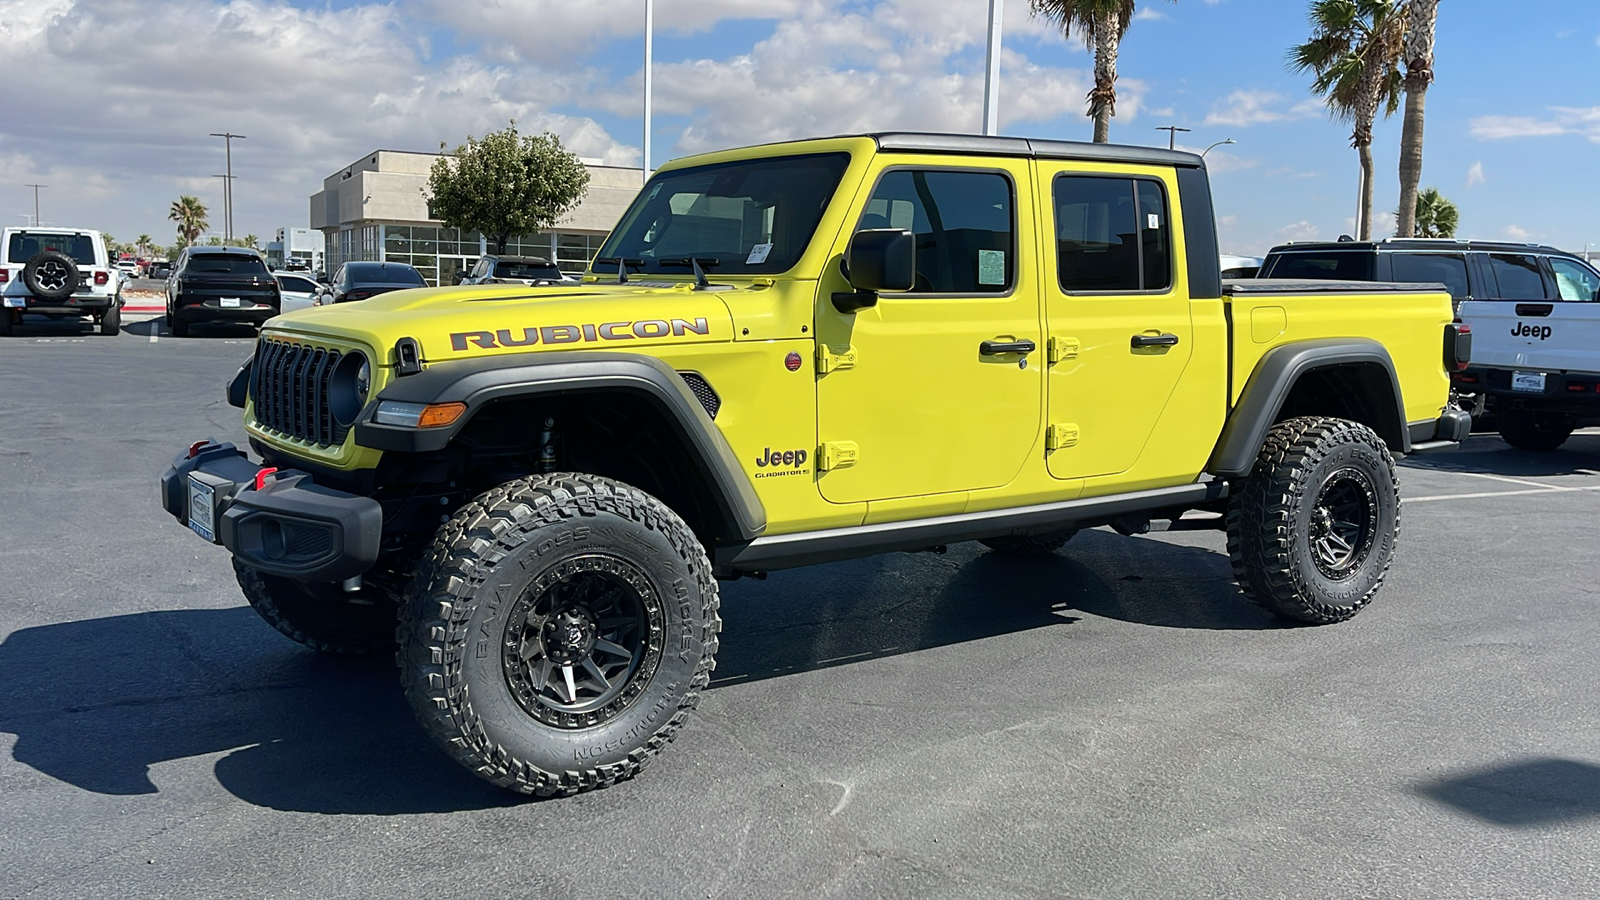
<point>109,101</point>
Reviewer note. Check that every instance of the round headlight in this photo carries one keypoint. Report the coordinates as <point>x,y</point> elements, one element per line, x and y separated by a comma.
<point>347,389</point>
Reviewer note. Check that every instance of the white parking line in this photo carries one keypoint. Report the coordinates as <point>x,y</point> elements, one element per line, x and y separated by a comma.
<point>155,330</point>
<point>1507,480</point>
<point>1541,490</point>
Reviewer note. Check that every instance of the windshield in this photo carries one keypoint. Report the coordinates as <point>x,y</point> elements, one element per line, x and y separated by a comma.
<point>378,273</point>
<point>505,269</point>
<point>27,244</point>
<point>743,218</point>
<point>220,264</point>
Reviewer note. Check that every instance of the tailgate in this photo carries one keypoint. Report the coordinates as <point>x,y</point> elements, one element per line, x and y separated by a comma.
<point>1550,336</point>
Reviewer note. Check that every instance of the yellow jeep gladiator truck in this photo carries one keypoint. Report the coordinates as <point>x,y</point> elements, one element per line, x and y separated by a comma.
<point>785,355</point>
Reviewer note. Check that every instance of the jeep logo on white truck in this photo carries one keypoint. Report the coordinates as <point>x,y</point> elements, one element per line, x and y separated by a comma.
<point>1523,329</point>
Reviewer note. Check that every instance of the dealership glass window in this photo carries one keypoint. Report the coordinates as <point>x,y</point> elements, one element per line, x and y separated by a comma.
<point>961,222</point>
<point>1518,276</point>
<point>573,251</point>
<point>1112,234</point>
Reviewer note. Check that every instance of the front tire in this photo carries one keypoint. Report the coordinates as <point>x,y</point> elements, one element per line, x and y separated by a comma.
<point>1526,430</point>
<point>321,616</point>
<point>1311,532</point>
<point>558,633</point>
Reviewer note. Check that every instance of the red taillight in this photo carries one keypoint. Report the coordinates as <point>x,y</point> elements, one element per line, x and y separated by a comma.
<point>101,277</point>
<point>1462,378</point>
<point>1577,389</point>
<point>5,276</point>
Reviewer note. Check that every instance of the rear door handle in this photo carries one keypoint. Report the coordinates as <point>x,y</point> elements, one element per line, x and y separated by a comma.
<point>1155,340</point>
<point>992,348</point>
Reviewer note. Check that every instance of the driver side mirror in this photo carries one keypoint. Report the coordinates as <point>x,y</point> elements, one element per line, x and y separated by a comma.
<point>878,259</point>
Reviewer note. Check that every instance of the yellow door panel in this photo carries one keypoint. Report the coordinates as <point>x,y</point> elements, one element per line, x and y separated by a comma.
<point>909,383</point>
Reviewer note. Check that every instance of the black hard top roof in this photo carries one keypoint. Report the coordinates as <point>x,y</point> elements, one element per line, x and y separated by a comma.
<point>1033,148</point>
<point>1416,244</point>
<point>230,251</point>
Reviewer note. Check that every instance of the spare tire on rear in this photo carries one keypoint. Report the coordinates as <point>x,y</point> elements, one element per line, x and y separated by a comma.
<point>51,275</point>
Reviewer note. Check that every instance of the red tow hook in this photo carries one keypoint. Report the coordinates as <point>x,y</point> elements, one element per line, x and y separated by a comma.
<point>261,476</point>
<point>196,447</point>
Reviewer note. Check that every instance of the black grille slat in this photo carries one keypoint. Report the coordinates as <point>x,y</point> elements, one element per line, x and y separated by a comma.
<point>291,391</point>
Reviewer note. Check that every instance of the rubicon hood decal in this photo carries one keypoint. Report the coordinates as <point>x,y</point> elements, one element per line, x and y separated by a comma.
<point>572,334</point>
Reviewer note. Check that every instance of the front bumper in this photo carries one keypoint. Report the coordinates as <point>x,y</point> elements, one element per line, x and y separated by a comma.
<point>289,526</point>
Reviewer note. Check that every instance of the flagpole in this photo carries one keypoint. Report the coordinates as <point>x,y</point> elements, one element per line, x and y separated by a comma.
<point>649,39</point>
<point>991,81</point>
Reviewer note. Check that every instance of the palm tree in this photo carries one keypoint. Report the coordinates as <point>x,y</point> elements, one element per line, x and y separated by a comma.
<point>1354,52</point>
<point>250,241</point>
<point>1101,24</point>
<point>1418,58</point>
<point>190,214</point>
<point>1435,216</point>
<point>143,244</point>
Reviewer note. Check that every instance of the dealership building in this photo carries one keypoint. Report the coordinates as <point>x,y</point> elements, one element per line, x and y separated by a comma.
<point>376,208</point>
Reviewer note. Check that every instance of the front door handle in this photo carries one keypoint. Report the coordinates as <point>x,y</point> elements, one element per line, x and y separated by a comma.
<point>1155,340</point>
<point>991,348</point>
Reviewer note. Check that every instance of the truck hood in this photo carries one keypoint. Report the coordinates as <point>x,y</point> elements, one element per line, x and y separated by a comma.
<point>459,322</point>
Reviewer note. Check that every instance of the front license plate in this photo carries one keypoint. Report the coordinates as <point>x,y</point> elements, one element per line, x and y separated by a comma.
<point>1528,382</point>
<point>230,302</point>
<point>202,509</point>
<point>17,302</point>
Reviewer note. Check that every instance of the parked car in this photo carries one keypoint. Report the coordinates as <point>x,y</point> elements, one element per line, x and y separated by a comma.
<point>297,290</point>
<point>534,271</point>
<point>220,284</point>
<point>1240,266</point>
<point>360,280</point>
<point>160,269</point>
<point>60,273</point>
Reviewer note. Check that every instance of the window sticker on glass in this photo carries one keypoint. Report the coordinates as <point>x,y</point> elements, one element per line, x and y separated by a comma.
<point>991,267</point>
<point>758,254</point>
<point>1152,221</point>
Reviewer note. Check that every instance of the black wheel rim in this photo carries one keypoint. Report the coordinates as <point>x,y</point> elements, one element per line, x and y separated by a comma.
<point>582,641</point>
<point>1344,523</point>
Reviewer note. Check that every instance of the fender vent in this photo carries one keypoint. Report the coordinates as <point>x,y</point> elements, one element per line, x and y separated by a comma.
<point>702,391</point>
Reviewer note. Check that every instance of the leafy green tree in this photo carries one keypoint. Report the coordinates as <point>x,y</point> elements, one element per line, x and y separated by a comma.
<point>1435,216</point>
<point>506,184</point>
<point>1354,53</point>
<point>1101,24</point>
<point>190,214</point>
<point>1417,54</point>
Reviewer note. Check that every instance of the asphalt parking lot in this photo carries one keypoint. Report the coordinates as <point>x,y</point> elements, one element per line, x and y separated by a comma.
<point>1116,721</point>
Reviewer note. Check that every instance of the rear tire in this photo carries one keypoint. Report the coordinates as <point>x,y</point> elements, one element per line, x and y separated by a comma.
<point>111,322</point>
<point>558,633</point>
<point>1311,532</point>
<point>322,616</point>
<point>8,318</point>
<point>1527,430</point>
<point>1028,545</point>
<point>180,328</point>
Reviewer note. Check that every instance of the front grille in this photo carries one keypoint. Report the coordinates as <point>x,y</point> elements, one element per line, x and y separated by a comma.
<point>290,388</point>
<point>702,391</point>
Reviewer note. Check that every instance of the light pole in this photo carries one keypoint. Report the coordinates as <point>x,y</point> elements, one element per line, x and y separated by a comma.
<point>1215,146</point>
<point>991,78</point>
<point>36,187</point>
<point>30,218</point>
<point>1172,134</point>
<point>227,195</point>
<point>649,41</point>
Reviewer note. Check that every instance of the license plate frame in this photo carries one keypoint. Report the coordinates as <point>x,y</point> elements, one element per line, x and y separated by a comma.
<point>1528,382</point>
<point>16,303</point>
<point>230,302</point>
<point>202,509</point>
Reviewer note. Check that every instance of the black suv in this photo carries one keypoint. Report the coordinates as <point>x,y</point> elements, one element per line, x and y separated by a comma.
<point>1471,270</point>
<point>534,271</point>
<point>360,280</point>
<point>220,284</point>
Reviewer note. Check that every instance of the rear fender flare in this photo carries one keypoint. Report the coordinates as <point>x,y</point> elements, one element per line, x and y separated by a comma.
<point>1275,377</point>
<point>480,382</point>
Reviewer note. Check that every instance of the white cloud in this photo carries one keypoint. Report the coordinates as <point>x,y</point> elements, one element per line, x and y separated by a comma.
<point>1299,231</point>
<point>1247,107</point>
<point>1562,120</point>
<point>1149,14</point>
<point>1513,233</point>
<point>1475,173</point>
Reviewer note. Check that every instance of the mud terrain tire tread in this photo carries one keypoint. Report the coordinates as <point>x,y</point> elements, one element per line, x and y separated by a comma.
<point>434,629</point>
<point>1028,545</point>
<point>1270,557</point>
<point>302,617</point>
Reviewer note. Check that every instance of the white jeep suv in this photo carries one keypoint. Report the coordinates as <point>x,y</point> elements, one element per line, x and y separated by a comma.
<point>58,272</point>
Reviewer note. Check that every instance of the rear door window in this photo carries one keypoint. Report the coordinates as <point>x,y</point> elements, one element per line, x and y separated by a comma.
<point>1326,265</point>
<point>1111,234</point>
<point>1448,269</point>
<point>1575,281</point>
<point>1518,276</point>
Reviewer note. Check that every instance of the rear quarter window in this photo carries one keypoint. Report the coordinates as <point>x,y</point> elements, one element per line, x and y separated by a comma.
<point>1449,269</point>
<point>1338,265</point>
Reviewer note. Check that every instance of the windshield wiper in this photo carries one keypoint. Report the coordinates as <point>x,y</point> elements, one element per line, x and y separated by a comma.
<point>698,263</point>
<point>622,263</point>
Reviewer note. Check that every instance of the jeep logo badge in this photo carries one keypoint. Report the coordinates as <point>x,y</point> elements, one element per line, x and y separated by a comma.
<point>1523,329</point>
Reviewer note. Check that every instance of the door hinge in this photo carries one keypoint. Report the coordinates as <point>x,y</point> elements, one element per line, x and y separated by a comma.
<point>1060,437</point>
<point>836,455</point>
<point>1063,348</point>
<point>828,361</point>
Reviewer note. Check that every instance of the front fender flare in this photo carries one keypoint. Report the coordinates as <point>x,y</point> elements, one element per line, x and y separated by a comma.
<point>1275,377</point>
<point>479,382</point>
